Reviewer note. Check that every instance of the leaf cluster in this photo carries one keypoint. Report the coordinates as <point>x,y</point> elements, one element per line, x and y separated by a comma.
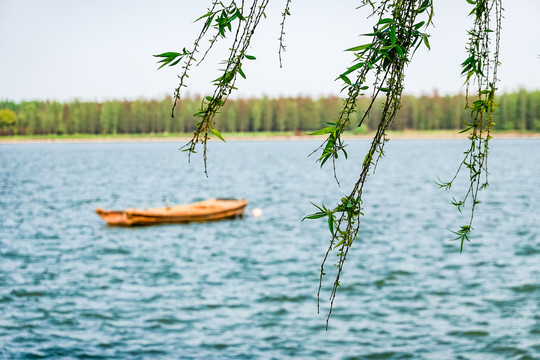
<point>394,40</point>
<point>171,58</point>
<point>223,19</point>
<point>480,69</point>
<point>395,37</point>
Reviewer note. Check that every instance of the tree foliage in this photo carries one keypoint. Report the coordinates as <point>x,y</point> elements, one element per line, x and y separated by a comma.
<point>517,111</point>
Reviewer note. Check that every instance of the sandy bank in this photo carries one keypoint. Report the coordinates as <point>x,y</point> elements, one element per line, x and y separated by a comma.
<point>406,135</point>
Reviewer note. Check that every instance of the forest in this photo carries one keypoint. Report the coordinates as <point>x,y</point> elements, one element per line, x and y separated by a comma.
<point>517,111</point>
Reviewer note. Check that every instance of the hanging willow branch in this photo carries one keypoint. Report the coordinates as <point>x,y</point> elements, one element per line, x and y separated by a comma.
<point>379,67</point>
<point>480,70</point>
<point>221,20</point>
<point>394,39</point>
<point>286,12</point>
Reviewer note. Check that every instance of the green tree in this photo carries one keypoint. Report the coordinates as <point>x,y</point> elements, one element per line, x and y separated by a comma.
<point>243,115</point>
<point>508,110</point>
<point>230,114</point>
<point>535,110</point>
<point>186,108</point>
<point>126,119</point>
<point>8,118</point>
<point>268,114</point>
<point>76,115</point>
<point>140,116</point>
<point>109,117</point>
<point>279,115</point>
<point>66,119</point>
<point>255,114</point>
<point>522,110</point>
<point>292,117</point>
<point>50,114</point>
<point>29,117</point>
<point>308,113</point>
<point>90,118</point>
<point>164,106</point>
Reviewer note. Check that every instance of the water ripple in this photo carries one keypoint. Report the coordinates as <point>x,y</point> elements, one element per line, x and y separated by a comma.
<point>73,288</point>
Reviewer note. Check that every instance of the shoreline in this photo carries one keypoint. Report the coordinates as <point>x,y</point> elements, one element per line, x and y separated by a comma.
<point>397,135</point>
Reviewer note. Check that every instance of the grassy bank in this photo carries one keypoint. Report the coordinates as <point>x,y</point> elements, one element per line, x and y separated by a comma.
<point>248,136</point>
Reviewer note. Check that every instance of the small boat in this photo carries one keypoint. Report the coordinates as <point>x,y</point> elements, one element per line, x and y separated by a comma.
<point>207,210</point>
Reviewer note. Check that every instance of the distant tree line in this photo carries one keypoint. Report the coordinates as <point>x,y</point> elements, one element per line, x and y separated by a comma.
<point>517,111</point>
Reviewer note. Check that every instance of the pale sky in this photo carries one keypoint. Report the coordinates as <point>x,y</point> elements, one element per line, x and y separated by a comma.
<point>102,49</point>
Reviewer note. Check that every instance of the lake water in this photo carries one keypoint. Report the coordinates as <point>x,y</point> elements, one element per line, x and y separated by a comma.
<point>71,287</point>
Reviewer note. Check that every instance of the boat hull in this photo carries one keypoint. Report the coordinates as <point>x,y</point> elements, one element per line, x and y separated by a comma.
<point>203,211</point>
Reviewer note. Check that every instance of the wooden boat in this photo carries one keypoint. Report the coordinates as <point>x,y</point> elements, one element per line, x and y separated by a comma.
<point>207,210</point>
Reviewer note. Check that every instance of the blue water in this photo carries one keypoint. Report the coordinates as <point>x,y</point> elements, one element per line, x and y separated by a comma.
<point>73,288</point>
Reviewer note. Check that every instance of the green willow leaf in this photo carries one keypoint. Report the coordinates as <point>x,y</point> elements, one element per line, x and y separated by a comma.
<point>339,244</point>
<point>314,216</point>
<point>324,159</point>
<point>426,41</point>
<point>168,54</point>
<point>360,47</point>
<point>326,130</point>
<point>241,72</point>
<point>205,15</point>
<point>385,21</point>
<point>400,51</point>
<point>424,6</point>
<point>419,25</point>
<point>176,62</point>
<point>353,68</point>
<point>218,134</point>
<point>345,79</point>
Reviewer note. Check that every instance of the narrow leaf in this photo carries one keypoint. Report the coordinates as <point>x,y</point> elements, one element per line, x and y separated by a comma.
<point>329,123</point>
<point>400,51</point>
<point>331,223</point>
<point>419,25</point>
<point>314,216</point>
<point>218,134</point>
<point>352,68</point>
<point>385,21</point>
<point>202,17</point>
<point>168,54</point>
<point>241,72</point>
<point>323,131</point>
<point>358,48</point>
<point>426,41</point>
<point>345,79</point>
<point>339,244</point>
